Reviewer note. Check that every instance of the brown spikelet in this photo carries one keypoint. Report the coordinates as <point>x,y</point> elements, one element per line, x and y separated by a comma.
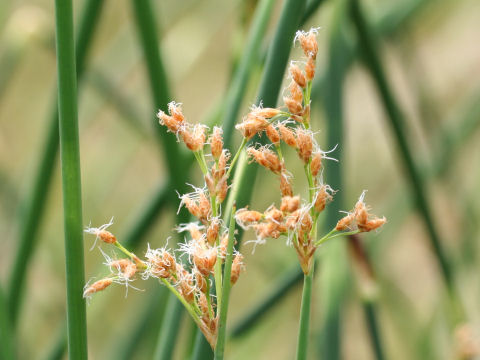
<point>293,106</point>
<point>97,286</point>
<point>252,125</point>
<point>186,289</point>
<point>285,185</point>
<point>297,75</point>
<point>322,198</point>
<point>273,134</point>
<point>345,222</point>
<point>245,216</point>
<point>310,69</point>
<point>216,142</point>
<point>200,281</point>
<point>316,163</point>
<point>266,158</point>
<point>212,231</point>
<point>194,139</point>
<point>296,93</point>
<point>305,144</point>
<point>107,236</point>
<point>237,267</point>
<point>290,203</point>
<point>204,260</point>
<point>222,189</point>
<point>287,135</point>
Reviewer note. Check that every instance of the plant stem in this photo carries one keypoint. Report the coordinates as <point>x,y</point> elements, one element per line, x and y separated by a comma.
<point>35,203</point>
<point>70,160</point>
<point>6,338</point>
<point>302,345</point>
<point>220,347</point>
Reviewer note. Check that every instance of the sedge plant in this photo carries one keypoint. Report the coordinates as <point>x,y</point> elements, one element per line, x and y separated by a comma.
<point>202,270</point>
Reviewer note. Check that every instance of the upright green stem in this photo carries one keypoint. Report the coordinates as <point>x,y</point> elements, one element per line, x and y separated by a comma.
<point>70,160</point>
<point>35,203</point>
<point>220,347</point>
<point>302,345</point>
<point>6,339</point>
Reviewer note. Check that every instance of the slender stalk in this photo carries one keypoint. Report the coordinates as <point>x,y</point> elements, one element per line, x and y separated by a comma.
<point>6,339</point>
<point>35,203</point>
<point>226,286</point>
<point>397,121</point>
<point>373,329</point>
<point>302,345</point>
<point>70,160</point>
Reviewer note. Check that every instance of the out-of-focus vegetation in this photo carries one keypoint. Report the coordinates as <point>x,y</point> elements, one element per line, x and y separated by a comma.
<point>397,89</point>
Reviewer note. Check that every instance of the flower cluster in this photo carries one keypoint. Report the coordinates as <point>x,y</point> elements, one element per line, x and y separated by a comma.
<point>206,247</point>
<point>296,218</point>
<point>209,244</point>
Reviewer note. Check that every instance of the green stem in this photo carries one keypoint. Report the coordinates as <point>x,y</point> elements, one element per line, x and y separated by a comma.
<point>220,347</point>
<point>70,160</point>
<point>35,203</point>
<point>237,154</point>
<point>302,345</point>
<point>371,319</point>
<point>329,237</point>
<point>6,339</point>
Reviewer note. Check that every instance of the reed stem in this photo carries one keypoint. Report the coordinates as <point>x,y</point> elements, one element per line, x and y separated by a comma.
<point>226,286</point>
<point>71,183</point>
<point>303,331</point>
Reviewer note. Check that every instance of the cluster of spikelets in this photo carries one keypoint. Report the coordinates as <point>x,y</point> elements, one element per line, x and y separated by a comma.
<point>206,249</point>
<point>296,218</point>
<point>208,238</point>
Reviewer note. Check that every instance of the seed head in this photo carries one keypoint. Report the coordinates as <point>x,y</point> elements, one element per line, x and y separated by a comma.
<point>161,263</point>
<point>245,217</point>
<point>323,196</point>
<point>273,134</point>
<point>295,107</point>
<point>102,233</point>
<point>237,268</point>
<point>296,93</point>
<point>285,185</point>
<point>204,260</point>
<point>216,142</point>
<point>310,69</point>
<point>305,144</point>
<point>200,281</point>
<point>266,158</point>
<point>212,231</point>
<point>287,135</point>
<point>251,125</point>
<point>195,138</point>
<point>96,287</point>
<point>345,222</point>
<point>297,75</point>
<point>316,163</point>
<point>308,42</point>
<point>290,203</point>
<point>186,288</point>
<point>125,267</point>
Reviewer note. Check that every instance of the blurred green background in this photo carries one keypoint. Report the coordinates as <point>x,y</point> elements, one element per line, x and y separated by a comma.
<point>430,53</point>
